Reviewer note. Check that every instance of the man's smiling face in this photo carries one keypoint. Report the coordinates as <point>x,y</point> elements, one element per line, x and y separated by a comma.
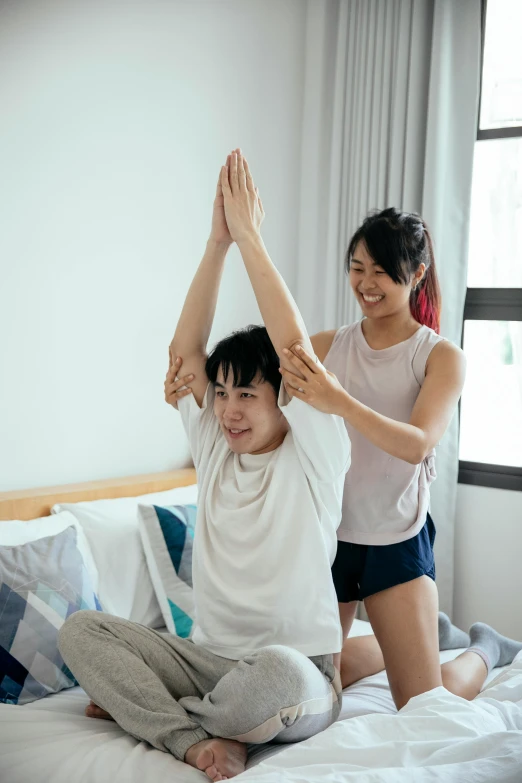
<point>248,415</point>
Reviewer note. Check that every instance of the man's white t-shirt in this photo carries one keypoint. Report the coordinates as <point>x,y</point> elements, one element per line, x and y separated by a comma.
<point>265,534</point>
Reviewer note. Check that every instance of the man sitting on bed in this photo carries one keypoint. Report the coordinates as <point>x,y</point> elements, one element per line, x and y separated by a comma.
<point>259,666</point>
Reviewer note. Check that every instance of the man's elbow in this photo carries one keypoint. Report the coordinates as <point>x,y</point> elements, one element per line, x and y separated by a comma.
<point>186,352</point>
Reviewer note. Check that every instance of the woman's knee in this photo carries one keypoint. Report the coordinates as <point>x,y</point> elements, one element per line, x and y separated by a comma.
<point>405,621</point>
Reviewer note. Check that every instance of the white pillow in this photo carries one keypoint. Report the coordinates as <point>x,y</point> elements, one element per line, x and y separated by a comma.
<point>111,527</point>
<point>14,532</point>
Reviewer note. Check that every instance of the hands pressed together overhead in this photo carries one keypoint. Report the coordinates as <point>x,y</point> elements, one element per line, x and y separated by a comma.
<point>238,210</point>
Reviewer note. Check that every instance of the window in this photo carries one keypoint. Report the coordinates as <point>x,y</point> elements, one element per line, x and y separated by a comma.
<point>491,405</point>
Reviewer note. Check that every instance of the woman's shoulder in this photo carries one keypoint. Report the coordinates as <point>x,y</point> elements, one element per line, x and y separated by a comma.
<point>436,354</point>
<point>444,352</point>
<point>323,341</point>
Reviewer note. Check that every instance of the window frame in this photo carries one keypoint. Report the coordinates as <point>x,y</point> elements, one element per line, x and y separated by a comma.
<point>491,304</point>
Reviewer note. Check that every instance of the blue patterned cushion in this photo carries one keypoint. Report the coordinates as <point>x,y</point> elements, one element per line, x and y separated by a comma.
<point>41,584</point>
<point>167,533</point>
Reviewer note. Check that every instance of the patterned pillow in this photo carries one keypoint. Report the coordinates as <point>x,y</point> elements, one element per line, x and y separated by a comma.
<point>41,584</point>
<point>167,533</point>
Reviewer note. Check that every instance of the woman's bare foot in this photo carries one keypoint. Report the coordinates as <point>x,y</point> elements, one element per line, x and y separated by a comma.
<point>93,711</point>
<point>220,759</point>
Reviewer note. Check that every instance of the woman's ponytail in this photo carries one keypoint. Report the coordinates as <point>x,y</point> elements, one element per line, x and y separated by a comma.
<point>425,303</point>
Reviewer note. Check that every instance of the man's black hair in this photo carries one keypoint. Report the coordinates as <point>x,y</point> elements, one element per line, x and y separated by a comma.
<point>248,353</point>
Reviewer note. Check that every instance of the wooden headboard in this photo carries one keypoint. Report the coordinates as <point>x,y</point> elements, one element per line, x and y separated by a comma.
<point>33,503</point>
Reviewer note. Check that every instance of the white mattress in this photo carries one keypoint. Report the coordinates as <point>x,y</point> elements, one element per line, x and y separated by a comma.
<point>51,741</point>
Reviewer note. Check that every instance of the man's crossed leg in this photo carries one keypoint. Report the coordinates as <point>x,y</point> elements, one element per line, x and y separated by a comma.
<point>187,701</point>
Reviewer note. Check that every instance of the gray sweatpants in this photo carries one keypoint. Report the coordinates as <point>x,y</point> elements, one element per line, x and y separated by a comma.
<point>173,693</point>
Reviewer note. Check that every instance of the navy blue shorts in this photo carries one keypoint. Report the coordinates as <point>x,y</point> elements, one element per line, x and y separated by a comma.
<point>360,570</point>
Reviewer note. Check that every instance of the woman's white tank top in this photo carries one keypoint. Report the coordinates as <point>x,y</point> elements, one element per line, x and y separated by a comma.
<point>385,498</point>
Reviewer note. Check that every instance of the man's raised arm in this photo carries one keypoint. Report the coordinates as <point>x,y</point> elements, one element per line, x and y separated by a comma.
<point>195,322</point>
<point>244,213</point>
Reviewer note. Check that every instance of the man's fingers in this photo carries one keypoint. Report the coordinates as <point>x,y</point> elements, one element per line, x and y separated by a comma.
<point>219,188</point>
<point>225,184</point>
<point>259,200</point>
<point>234,183</point>
<point>241,173</point>
<point>249,179</point>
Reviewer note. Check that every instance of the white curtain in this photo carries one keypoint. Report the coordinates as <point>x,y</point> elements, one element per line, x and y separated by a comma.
<point>391,97</point>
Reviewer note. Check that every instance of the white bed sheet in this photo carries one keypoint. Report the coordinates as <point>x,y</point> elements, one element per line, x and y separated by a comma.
<point>51,741</point>
<point>436,737</point>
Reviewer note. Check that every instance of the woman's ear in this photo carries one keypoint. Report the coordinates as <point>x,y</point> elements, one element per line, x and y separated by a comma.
<point>418,276</point>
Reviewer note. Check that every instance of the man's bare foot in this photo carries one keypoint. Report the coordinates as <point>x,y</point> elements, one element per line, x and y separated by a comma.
<point>93,711</point>
<point>220,759</point>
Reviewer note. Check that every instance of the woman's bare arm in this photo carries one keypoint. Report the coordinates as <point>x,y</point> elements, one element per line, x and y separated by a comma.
<point>411,441</point>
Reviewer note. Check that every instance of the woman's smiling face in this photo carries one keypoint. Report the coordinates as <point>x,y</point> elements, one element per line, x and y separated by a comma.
<point>377,294</point>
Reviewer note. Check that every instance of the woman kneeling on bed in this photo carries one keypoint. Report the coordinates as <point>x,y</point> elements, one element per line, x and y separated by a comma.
<point>259,666</point>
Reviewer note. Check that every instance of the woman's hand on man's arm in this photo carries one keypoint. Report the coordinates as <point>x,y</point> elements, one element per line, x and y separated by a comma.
<point>175,387</point>
<point>311,382</point>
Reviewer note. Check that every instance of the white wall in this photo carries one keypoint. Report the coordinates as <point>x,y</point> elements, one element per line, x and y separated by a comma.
<point>488,559</point>
<point>114,120</point>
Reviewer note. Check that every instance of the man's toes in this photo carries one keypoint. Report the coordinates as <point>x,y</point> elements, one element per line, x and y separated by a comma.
<point>205,760</point>
<point>214,774</point>
<point>93,711</point>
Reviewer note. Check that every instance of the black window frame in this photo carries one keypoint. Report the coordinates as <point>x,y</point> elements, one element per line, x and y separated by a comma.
<point>491,304</point>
